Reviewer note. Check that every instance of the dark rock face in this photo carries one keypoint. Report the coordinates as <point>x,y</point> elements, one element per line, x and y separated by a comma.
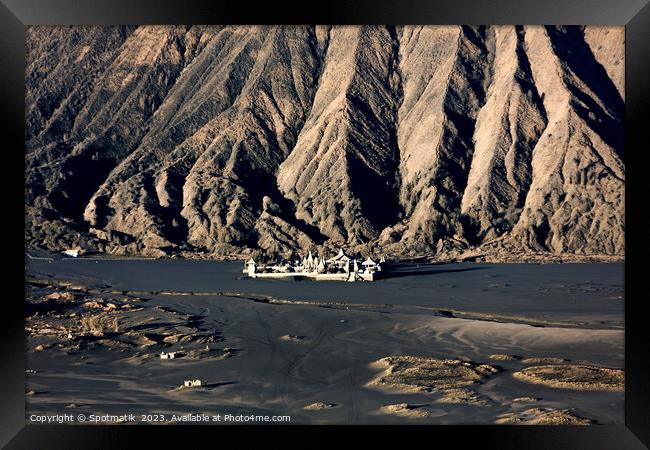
<point>212,140</point>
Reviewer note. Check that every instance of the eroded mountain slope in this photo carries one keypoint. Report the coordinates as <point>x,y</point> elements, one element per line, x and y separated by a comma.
<point>216,141</point>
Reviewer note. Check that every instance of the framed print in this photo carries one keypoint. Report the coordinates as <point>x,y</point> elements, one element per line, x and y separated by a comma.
<point>408,217</point>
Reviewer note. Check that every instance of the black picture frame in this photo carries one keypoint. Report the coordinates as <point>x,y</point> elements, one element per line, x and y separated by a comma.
<point>15,15</point>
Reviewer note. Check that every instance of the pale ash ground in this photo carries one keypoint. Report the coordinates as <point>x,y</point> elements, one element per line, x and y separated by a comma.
<point>313,349</point>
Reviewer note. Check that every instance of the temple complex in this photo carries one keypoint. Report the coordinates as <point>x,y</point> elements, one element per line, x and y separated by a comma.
<point>341,267</point>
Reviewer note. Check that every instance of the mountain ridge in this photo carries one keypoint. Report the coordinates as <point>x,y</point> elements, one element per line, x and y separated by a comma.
<point>213,141</point>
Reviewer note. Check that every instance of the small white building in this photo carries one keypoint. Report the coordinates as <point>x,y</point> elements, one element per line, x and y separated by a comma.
<point>321,267</point>
<point>170,355</point>
<point>341,260</point>
<point>251,267</point>
<point>309,263</point>
<point>370,266</point>
<point>193,383</point>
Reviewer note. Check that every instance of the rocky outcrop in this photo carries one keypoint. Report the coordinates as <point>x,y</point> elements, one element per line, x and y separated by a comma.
<point>445,72</point>
<point>507,129</point>
<point>608,46</point>
<point>575,202</point>
<point>210,140</point>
